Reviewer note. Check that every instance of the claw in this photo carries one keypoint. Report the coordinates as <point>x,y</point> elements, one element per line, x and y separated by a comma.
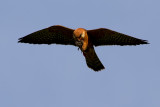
<point>79,49</point>
<point>79,45</point>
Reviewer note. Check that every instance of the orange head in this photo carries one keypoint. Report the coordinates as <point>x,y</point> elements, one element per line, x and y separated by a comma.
<point>80,35</point>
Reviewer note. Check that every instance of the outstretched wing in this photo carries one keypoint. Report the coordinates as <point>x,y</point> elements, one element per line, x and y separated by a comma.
<point>104,36</point>
<point>53,35</point>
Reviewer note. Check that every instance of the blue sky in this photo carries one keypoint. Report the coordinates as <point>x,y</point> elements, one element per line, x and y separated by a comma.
<point>57,75</point>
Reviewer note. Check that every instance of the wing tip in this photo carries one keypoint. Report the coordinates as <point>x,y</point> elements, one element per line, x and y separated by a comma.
<point>144,42</point>
<point>20,40</point>
<point>138,42</point>
<point>25,40</point>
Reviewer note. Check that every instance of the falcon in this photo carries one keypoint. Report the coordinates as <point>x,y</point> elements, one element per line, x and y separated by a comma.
<point>84,39</point>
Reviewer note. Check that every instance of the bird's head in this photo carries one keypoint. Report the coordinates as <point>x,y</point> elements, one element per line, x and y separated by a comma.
<point>79,34</point>
<point>81,38</point>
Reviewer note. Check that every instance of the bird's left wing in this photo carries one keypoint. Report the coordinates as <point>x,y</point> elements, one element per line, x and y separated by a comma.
<point>53,35</point>
<point>103,36</point>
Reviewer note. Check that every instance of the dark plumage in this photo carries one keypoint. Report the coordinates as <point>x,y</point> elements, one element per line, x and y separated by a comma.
<point>84,39</point>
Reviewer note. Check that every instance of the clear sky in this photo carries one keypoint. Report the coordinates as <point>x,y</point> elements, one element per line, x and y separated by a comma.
<point>57,75</point>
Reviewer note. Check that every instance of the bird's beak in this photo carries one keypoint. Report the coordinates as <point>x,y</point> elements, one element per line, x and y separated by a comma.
<point>79,43</point>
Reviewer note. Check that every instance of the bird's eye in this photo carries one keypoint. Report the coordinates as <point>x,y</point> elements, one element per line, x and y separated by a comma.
<point>80,36</point>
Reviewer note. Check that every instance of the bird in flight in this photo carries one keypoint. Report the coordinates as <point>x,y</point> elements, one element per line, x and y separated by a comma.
<point>84,39</point>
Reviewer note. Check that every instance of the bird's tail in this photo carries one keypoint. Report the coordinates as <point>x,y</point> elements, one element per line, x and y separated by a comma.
<point>92,60</point>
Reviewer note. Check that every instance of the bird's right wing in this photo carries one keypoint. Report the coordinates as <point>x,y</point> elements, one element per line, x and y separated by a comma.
<point>105,36</point>
<point>53,35</point>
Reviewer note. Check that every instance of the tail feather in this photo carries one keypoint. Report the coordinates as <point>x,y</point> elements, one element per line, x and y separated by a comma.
<point>92,60</point>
